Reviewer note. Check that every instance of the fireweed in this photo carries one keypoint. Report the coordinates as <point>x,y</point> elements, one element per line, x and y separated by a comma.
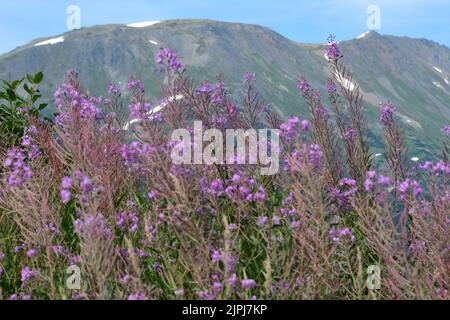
<point>99,189</point>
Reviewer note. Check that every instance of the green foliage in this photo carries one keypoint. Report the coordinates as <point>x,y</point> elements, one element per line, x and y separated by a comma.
<point>18,104</point>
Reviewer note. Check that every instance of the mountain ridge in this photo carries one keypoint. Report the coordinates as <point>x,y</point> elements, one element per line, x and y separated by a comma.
<point>413,73</point>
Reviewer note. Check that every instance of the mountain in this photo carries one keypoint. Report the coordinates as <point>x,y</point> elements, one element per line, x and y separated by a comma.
<point>412,73</point>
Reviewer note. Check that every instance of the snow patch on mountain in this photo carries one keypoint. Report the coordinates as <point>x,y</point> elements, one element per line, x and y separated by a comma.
<point>346,83</point>
<point>437,84</point>
<point>362,35</point>
<point>437,69</point>
<point>50,42</point>
<point>153,42</point>
<point>143,24</point>
<point>412,123</point>
<point>154,110</point>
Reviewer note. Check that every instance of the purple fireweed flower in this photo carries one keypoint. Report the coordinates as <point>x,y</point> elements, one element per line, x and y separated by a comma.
<point>19,171</point>
<point>308,155</point>
<point>28,274</point>
<point>315,156</point>
<point>216,187</point>
<point>166,55</point>
<point>276,220</point>
<point>32,253</point>
<point>217,286</point>
<point>56,249</point>
<point>66,196</point>
<point>289,128</point>
<point>216,256</point>
<point>67,183</point>
<point>387,111</point>
<point>371,174</point>
<point>114,90</point>
<point>333,52</point>
<point>86,184</point>
<point>205,88</point>
<point>2,256</point>
<point>338,235</point>
<point>131,203</point>
<point>248,284</point>
<point>384,181</point>
<point>446,130</point>
<point>305,125</point>
<point>347,188</point>
<point>137,296</point>
<point>260,195</point>
<point>233,280</point>
<point>31,130</point>
<point>121,221</point>
<point>303,86</point>
<point>331,88</point>
<point>130,154</point>
<point>75,259</point>
<point>157,267</point>
<point>404,186</point>
<point>426,165</point>
<point>153,195</point>
<point>348,182</point>
<point>440,167</point>
<point>205,295</point>
<point>244,191</point>
<point>135,85</point>
<point>350,134</point>
<point>230,192</point>
<point>79,296</point>
<point>236,177</point>
<point>346,232</point>
<point>369,185</point>
<point>417,191</point>
<point>89,225</point>
<point>296,224</point>
<point>26,141</point>
<point>233,226</point>
<point>126,279</point>
<point>262,221</point>
<point>50,228</point>
<point>250,77</point>
<point>316,95</point>
<point>218,97</point>
<point>140,110</point>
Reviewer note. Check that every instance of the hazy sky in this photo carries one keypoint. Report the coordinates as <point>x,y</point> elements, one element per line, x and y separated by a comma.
<point>302,20</point>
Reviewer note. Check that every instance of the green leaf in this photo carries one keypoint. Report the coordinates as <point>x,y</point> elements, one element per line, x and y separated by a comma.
<point>42,106</point>
<point>27,88</point>
<point>30,78</point>
<point>38,78</point>
<point>15,84</point>
<point>11,94</point>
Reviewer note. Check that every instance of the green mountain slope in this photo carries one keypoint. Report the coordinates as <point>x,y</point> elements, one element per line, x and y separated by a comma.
<point>412,73</point>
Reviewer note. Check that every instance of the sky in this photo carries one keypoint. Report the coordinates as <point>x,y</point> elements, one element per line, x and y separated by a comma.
<point>307,21</point>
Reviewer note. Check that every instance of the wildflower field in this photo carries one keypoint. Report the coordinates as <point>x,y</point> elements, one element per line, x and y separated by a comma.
<point>93,193</point>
